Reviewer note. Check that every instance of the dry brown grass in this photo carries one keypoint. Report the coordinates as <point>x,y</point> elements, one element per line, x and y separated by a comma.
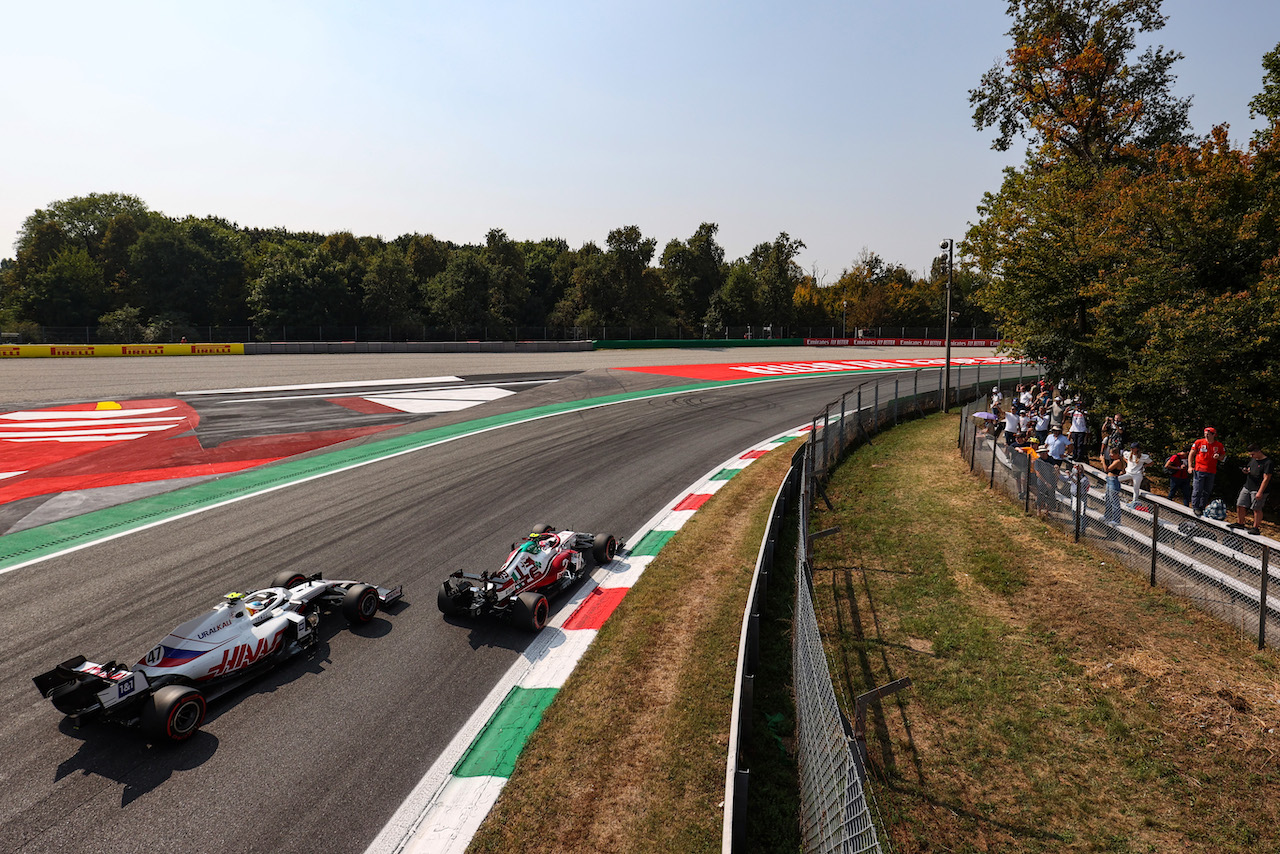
<point>1059,704</point>
<point>631,754</point>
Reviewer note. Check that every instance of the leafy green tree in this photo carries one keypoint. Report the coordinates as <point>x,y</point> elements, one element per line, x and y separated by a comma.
<point>735,303</point>
<point>548,268</point>
<point>692,271</point>
<point>777,274</point>
<point>458,297</point>
<point>68,290</point>
<point>193,268</point>
<point>508,282</point>
<point>1072,82</point>
<point>299,285</point>
<point>390,292</point>
<point>83,219</point>
<point>123,325</point>
<point>1267,102</point>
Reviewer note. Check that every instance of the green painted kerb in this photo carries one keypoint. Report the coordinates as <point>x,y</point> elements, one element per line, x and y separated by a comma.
<point>494,751</point>
<point>724,474</point>
<point>651,543</point>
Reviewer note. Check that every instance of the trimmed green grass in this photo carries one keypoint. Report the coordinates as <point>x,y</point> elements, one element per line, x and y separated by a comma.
<point>631,755</point>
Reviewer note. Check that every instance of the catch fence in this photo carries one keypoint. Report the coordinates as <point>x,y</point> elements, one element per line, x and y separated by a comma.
<point>175,331</point>
<point>1224,572</point>
<point>838,814</point>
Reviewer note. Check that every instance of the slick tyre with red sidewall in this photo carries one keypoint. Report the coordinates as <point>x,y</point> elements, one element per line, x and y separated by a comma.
<point>360,604</point>
<point>531,610</point>
<point>173,713</point>
<point>603,548</point>
<point>288,578</point>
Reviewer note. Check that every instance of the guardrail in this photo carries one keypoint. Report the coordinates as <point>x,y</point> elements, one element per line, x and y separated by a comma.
<point>837,807</point>
<point>1224,572</point>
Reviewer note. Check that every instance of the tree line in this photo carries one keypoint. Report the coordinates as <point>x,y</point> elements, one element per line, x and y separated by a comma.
<point>1130,256</point>
<point>107,259</point>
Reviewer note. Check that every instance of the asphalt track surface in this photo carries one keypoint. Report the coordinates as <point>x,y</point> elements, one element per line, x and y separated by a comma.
<point>319,753</point>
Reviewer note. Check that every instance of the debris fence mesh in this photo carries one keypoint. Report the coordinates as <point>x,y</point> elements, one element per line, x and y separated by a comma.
<point>838,808</point>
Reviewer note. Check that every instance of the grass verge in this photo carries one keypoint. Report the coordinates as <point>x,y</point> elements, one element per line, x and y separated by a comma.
<point>631,754</point>
<point>1059,704</point>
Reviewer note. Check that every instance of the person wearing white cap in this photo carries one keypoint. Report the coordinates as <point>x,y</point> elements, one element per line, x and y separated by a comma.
<point>1203,462</point>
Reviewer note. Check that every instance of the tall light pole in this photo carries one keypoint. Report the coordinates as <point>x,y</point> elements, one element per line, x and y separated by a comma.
<point>950,246</point>
<point>844,318</point>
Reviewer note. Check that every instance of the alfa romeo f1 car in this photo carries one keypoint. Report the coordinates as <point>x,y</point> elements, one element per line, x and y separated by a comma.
<point>546,562</point>
<point>244,635</point>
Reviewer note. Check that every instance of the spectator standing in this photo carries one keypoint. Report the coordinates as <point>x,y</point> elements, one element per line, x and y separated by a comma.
<point>1179,476</point>
<point>1253,495</point>
<point>1011,427</point>
<point>996,397</point>
<point>1203,462</point>
<point>1079,431</point>
<point>1042,424</point>
<point>1056,446</point>
<point>1113,464</point>
<point>1119,431</point>
<point>1057,412</point>
<point>1135,467</point>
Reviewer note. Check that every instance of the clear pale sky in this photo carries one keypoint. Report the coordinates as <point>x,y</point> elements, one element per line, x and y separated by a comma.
<point>844,124</point>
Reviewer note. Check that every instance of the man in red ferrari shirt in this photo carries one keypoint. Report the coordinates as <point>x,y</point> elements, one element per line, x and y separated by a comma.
<point>1203,462</point>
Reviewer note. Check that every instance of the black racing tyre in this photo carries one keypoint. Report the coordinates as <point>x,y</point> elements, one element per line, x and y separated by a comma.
<point>173,712</point>
<point>604,547</point>
<point>531,610</point>
<point>543,529</point>
<point>451,598</point>
<point>360,603</point>
<point>287,578</point>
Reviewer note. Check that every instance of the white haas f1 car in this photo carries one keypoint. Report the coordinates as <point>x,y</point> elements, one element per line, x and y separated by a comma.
<point>547,561</point>
<point>245,635</point>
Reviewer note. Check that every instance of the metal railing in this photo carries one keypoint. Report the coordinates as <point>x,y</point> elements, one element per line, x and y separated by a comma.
<point>1222,571</point>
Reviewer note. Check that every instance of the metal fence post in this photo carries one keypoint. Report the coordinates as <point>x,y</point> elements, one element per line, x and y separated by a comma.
<point>843,417</point>
<point>1031,476</point>
<point>895,401</point>
<point>1262,597</point>
<point>915,392</point>
<point>826,427</point>
<point>992,484</point>
<point>875,412</point>
<point>864,429</point>
<point>973,451</point>
<point>1155,539</point>
<point>1079,480</point>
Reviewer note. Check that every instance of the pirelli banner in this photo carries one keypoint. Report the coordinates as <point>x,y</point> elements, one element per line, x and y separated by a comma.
<point>76,351</point>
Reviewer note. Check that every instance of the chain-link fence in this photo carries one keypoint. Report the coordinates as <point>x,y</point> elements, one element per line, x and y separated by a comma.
<point>171,331</point>
<point>1222,571</point>
<point>838,809</point>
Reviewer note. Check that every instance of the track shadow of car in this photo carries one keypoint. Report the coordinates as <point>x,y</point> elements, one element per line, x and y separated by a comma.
<point>128,759</point>
<point>500,633</point>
